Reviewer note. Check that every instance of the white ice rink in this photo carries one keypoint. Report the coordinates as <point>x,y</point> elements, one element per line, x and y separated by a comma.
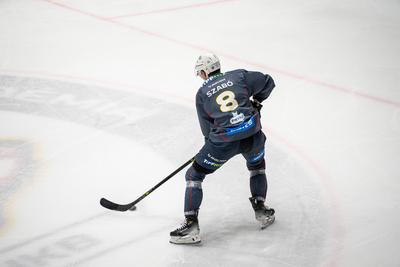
<point>97,100</point>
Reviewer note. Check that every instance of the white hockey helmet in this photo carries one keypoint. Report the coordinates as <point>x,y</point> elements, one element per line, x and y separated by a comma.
<point>208,63</point>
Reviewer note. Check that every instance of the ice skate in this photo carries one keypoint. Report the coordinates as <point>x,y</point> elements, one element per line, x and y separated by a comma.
<point>263,214</point>
<point>188,233</point>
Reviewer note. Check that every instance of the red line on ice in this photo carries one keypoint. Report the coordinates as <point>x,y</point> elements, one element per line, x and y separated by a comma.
<point>241,60</point>
<point>165,10</point>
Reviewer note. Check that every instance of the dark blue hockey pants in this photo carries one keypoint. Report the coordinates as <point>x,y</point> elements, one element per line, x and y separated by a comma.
<point>214,155</point>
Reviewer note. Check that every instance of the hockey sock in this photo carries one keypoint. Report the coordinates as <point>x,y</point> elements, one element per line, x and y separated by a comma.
<point>258,184</point>
<point>194,192</point>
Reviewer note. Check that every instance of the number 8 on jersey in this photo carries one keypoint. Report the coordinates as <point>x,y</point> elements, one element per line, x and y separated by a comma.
<point>227,101</point>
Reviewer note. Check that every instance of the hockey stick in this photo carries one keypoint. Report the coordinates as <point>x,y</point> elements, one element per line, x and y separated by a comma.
<point>131,206</point>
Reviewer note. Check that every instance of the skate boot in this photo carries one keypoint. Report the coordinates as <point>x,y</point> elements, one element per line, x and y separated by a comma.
<point>263,214</point>
<point>188,233</point>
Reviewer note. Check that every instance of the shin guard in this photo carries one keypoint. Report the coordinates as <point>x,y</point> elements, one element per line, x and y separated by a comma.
<point>194,192</point>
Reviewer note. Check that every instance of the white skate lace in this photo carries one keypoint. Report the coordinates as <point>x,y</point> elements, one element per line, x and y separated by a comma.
<point>183,226</point>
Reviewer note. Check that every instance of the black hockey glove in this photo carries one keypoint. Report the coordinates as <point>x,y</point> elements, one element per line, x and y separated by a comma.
<point>257,105</point>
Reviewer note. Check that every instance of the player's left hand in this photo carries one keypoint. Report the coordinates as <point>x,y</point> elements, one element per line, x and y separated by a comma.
<point>257,105</point>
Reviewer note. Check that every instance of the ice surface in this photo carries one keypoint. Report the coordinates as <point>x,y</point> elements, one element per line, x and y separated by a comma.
<point>96,100</point>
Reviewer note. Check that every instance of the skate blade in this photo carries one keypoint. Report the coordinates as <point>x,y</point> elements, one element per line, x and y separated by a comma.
<point>185,240</point>
<point>265,222</point>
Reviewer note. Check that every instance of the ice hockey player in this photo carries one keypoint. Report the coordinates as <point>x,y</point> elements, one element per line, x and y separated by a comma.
<point>228,107</point>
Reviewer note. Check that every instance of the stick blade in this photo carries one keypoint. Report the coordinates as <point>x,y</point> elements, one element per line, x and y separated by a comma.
<point>114,206</point>
<point>108,204</point>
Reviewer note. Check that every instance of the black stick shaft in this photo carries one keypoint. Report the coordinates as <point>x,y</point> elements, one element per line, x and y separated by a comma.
<point>163,181</point>
<point>124,207</point>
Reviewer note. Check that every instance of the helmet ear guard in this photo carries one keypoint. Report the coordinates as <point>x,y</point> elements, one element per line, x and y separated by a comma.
<point>198,72</point>
<point>207,63</point>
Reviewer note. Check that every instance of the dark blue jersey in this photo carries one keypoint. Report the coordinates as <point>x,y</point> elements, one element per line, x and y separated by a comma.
<point>224,108</point>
